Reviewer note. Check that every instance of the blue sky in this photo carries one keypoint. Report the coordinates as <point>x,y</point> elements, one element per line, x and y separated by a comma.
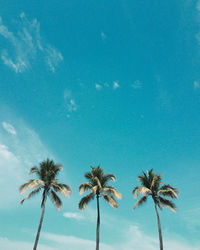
<point>114,83</point>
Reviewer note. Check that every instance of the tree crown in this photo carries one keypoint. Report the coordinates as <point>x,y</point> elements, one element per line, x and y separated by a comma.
<point>46,173</point>
<point>151,186</point>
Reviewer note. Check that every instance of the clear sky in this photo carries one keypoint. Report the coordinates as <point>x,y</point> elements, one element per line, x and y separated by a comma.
<point>114,83</point>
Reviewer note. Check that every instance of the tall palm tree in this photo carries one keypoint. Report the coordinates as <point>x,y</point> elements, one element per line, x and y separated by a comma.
<point>98,185</point>
<point>46,182</point>
<point>151,187</point>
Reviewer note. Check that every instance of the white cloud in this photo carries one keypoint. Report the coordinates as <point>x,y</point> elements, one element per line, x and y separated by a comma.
<point>71,106</point>
<point>198,5</point>
<point>17,154</point>
<point>115,85</point>
<point>71,242</point>
<point>53,57</point>
<point>137,85</point>
<point>88,215</point>
<point>7,244</point>
<point>9,128</point>
<point>26,46</point>
<point>76,216</point>
<point>143,241</point>
<point>103,36</point>
<point>132,238</point>
<point>69,102</point>
<point>196,85</point>
<point>98,86</point>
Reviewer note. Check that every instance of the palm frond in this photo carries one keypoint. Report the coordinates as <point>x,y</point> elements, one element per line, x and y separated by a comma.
<point>96,189</point>
<point>106,178</point>
<point>113,191</point>
<point>56,200</point>
<point>143,179</point>
<point>49,170</point>
<point>142,200</point>
<point>97,182</point>
<point>85,200</point>
<point>37,190</point>
<point>110,199</point>
<point>30,184</point>
<point>150,175</point>
<point>84,187</point>
<point>168,190</point>
<point>62,188</point>
<point>155,181</point>
<point>141,190</point>
<point>167,203</point>
<point>88,176</point>
<point>98,174</point>
<point>34,170</point>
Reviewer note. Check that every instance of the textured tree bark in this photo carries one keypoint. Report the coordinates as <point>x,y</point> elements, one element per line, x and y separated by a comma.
<point>98,224</point>
<point>40,225</point>
<point>159,229</point>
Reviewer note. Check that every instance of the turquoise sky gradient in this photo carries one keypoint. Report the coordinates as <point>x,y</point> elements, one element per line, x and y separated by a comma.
<point>114,83</point>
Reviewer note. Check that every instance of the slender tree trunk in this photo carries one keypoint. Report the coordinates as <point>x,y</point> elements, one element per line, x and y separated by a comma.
<point>159,228</point>
<point>98,224</point>
<point>41,219</point>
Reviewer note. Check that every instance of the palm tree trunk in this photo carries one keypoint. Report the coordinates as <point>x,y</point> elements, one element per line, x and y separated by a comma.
<point>159,228</point>
<point>98,224</point>
<point>41,219</point>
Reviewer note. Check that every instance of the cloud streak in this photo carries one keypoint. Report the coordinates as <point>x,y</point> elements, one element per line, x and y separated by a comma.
<point>17,154</point>
<point>133,238</point>
<point>115,85</point>
<point>69,102</point>
<point>196,85</point>
<point>137,85</point>
<point>9,128</point>
<point>27,46</point>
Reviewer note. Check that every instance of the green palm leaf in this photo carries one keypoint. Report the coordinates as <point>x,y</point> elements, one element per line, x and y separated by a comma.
<point>37,190</point>
<point>85,200</point>
<point>56,200</point>
<point>167,203</point>
<point>167,190</point>
<point>141,190</point>
<point>30,184</point>
<point>113,191</point>
<point>110,199</point>
<point>85,187</point>
<point>142,200</point>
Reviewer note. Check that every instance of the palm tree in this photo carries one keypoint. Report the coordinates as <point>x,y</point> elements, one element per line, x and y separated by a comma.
<point>151,187</point>
<point>98,185</point>
<point>46,173</point>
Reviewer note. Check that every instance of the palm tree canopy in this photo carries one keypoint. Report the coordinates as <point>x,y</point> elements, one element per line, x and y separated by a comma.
<point>151,186</point>
<point>46,173</point>
<point>98,185</point>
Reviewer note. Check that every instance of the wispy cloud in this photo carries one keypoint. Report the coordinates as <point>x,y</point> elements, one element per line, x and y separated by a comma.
<point>132,236</point>
<point>27,46</point>
<point>73,242</point>
<point>18,153</point>
<point>198,5</point>
<point>69,102</point>
<point>76,216</point>
<point>88,215</point>
<point>196,85</point>
<point>9,128</point>
<point>115,85</point>
<point>137,85</point>
<point>98,86</point>
<point>8,244</point>
<point>103,36</point>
